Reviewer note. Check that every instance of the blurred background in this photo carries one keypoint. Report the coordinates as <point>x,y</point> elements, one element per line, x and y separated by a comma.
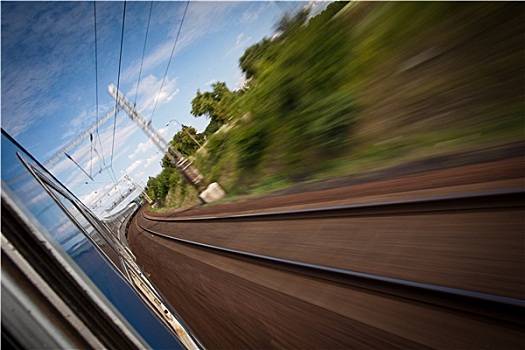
<point>360,87</point>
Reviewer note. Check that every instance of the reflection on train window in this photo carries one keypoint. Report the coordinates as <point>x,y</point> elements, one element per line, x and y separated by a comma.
<point>86,226</point>
<point>76,233</point>
<point>65,232</point>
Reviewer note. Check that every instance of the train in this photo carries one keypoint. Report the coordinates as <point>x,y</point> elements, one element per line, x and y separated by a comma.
<point>69,280</point>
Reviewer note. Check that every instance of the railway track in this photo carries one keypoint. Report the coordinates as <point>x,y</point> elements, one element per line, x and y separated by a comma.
<point>503,308</point>
<point>493,312</point>
<point>487,200</point>
<point>459,235</point>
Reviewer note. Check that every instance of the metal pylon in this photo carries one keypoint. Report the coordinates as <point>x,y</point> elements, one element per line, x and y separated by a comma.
<point>207,192</point>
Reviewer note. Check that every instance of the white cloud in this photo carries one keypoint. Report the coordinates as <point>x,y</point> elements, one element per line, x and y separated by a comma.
<point>124,131</point>
<point>134,166</point>
<point>101,152</point>
<point>316,7</point>
<point>251,16</point>
<point>18,117</point>
<point>123,150</point>
<point>163,131</point>
<point>140,174</point>
<point>40,197</point>
<point>208,83</point>
<point>150,160</point>
<point>92,164</point>
<point>143,147</point>
<point>90,198</point>
<point>197,24</point>
<point>79,123</point>
<point>149,92</point>
<point>240,80</point>
<point>240,43</point>
<point>87,119</point>
<point>239,37</point>
<point>65,166</point>
<point>159,55</point>
<point>27,35</point>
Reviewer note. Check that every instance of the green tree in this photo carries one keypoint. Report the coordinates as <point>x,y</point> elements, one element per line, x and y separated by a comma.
<point>215,104</point>
<point>254,57</point>
<point>301,96</point>
<point>289,22</point>
<point>187,140</point>
<point>159,186</point>
<point>151,188</point>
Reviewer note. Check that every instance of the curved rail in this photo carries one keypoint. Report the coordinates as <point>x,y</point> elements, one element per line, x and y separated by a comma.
<point>503,308</point>
<point>486,200</point>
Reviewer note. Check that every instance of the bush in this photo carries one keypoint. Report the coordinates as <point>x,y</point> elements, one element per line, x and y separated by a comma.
<point>250,143</point>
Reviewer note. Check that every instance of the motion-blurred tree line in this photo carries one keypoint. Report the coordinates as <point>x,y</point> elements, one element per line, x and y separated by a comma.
<point>356,87</point>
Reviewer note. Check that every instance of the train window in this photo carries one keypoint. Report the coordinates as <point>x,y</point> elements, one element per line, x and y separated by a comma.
<point>83,241</point>
<point>75,211</point>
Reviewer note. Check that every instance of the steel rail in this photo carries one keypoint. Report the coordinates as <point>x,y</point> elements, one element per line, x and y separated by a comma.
<point>505,309</point>
<point>486,200</point>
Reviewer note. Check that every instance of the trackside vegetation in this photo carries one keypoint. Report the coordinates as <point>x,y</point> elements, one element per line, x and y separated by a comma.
<point>359,87</point>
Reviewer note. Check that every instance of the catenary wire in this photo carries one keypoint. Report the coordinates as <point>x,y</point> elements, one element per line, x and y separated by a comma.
<point>78,165</point>
<point>143,52</point>
<point>115,177</point>
<point>169,62</point>
<point>91,158</point>
<point>96,57</point>
<point>96,83</point>
<point>118,81</point>
<point>101,154</point>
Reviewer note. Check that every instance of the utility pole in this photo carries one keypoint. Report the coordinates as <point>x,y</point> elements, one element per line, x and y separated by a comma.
<point>207,192</point>
<point>120,199</point>
<point>183,128</point>
<point>99,199</point>
<point>76,141</point>
<point>139,188</point>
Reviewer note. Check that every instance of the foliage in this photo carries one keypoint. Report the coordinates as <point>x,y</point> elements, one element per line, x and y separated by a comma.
<point>212,127</point>
<point>215,104</point>
<point>250,145</point>
<point>252,57</point>
<point>187,140</point>
<point>158,187</point>
<point>330,11</point>
<point>289,22</point>
<point>357,86</point>
<point>295,99</point>
<point>169,180</point>
<point>299,98</point>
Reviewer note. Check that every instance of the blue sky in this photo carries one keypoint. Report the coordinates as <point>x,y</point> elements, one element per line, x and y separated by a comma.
<point>49,87</point>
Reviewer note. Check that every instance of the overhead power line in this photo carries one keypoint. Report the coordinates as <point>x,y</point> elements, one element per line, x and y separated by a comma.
<point>118,78</point>
<point>208,192</point>
<point>96,56</point>
<point>76,141</point>
<point>101,155</point>
<point>143,52</point>
<point>169,62</point>
<point>78,165</point>
<point>96,78</point>
<point>91,160</point>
